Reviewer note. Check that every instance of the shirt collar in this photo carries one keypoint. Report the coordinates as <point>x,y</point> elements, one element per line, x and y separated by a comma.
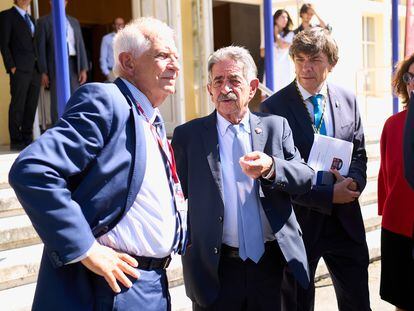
<point>306,95</point>
<point>223,124</point>
<point>143,101</point>
<point>20,10</point>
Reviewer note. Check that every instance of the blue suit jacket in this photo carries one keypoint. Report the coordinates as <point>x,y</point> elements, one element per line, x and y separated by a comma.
<point>75,182</point>
<point>347,126</point>
<point>196,150</point>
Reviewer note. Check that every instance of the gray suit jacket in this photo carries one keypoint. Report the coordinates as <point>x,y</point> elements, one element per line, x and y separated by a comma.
<point>409,144</point>
<point>347,126</point>
<point>196,150</point>
<point>46,49</point>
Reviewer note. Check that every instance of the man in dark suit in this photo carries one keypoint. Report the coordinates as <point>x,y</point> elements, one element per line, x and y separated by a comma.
<point>329,214</point>
<point>98,187</point>
<point>17,45</point>
<point>78,61</point>
<point>409,142</point>
<point>238,171</point>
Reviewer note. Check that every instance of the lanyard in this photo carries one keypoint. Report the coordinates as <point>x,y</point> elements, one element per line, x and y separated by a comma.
<point>171,162</point>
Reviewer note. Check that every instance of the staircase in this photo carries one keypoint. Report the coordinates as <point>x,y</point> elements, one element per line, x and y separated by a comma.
<point>21,248</point>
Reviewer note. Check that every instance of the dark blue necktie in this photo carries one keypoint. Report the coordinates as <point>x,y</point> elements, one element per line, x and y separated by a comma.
<point>248,216</point>
<point>316,101</point>
<point>28,22</point>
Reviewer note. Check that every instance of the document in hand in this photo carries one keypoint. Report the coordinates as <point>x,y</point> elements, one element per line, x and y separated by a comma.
<point>328,152</point>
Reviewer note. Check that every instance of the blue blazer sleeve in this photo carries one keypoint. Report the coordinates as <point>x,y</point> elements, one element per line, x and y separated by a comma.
<point>40,174</point>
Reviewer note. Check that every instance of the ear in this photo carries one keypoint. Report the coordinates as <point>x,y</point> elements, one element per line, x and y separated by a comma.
<point>209,89</point>
<point>254,84</point>
<point>126,62</point>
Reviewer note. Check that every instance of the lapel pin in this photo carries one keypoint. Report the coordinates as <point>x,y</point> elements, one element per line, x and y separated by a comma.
<point>258,130</point>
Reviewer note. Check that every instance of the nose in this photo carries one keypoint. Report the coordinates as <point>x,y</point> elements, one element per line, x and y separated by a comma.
<point>226,87</point>
<point>174,63</point>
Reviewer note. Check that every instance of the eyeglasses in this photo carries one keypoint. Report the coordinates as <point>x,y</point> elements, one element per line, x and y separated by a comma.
<point>408,77</point>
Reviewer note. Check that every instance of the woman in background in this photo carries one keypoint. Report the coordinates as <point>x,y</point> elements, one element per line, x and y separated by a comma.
<point>396,202</point>
<point>284,70</point>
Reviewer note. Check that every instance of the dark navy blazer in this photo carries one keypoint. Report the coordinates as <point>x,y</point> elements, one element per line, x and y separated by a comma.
<point>196,150</point>
<point>311,207</point>
<point>75,182</point>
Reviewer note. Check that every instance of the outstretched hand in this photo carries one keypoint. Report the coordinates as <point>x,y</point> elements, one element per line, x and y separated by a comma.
<point>113,266</point>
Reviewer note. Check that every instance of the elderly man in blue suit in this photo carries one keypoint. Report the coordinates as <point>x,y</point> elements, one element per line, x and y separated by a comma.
<point>100,186</point>
<point>239,170</point>
<point>329,213</point>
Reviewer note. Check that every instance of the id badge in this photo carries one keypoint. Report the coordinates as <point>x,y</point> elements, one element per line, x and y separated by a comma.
<point>180,201</point>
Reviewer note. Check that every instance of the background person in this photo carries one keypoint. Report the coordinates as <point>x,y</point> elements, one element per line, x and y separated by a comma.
<point>78,62</point>
<point>306,13</point>
<point>284,71</point>
<point>395,201</point>
<point>18,50</point>
<point>106,59</point>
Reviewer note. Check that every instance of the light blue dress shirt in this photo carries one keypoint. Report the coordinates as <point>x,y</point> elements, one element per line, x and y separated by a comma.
<point>106,59</point>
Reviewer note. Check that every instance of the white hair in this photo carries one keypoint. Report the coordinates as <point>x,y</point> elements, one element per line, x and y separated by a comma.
<point>238,54</point>
<point>137,36</point>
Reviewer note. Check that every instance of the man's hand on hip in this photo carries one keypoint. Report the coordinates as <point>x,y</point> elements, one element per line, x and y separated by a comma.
<point>255,164</point>
<point>113,266</point>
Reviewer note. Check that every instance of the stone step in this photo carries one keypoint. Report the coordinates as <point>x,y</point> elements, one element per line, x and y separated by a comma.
<point>9,205</point>
<point>369,195</point>
<point>18,298</point>
<point>19,266</point>
<point>6,161</point>
<point>17,231</point>
<point>373,149</point>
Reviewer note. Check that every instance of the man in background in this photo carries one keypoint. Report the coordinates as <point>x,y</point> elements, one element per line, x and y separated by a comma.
<point>78,62</point>
<point>106,59</point>
<point>18,50</point>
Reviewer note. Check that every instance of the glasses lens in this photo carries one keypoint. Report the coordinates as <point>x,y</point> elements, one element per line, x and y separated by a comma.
<point>407,77</point>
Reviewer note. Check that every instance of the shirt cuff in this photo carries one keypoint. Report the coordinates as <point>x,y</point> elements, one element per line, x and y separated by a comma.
<point>271,175</point>
<point>83,256</point>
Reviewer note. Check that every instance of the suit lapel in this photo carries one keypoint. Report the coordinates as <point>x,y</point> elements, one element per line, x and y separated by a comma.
<point>23,23</point>
<point>336,110</point>
<point>211,146</point>
<point>256,128</point>
<point>300,113</point>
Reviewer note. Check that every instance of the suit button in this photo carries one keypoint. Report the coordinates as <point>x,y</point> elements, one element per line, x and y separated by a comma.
<point>216,250</point>
<point>220,219</point>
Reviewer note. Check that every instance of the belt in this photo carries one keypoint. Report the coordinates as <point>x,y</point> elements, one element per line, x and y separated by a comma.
<point>150,263</point>
<point>233,252</point>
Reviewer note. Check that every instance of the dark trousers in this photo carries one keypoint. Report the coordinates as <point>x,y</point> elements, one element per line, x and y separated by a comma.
<point>74,84</point>
<point>245,285</point>
<point>24,91</point>
<point>347,262</point>
<point>148,292</point>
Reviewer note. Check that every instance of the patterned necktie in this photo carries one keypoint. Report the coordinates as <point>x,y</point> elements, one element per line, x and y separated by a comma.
<point>180,241</point>
<point>316,101</point>
<point>248,216</point>
<point>28,22</point>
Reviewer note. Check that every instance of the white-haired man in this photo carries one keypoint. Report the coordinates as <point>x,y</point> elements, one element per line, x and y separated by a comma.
<point>238,170</point>
<point>101,188</point>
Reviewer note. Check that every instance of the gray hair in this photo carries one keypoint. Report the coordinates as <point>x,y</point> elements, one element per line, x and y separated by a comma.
<point>137,37</point>
<point>236,53</point>
<point>315,40</point>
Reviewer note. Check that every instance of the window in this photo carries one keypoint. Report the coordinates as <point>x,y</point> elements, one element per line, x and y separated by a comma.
<point>368,53</point>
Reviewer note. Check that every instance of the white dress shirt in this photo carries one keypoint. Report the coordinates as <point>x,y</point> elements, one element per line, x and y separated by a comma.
<point>106,59</point>
<point>149,227</point>
<point>327,116</point>
<point>70,38</point>
<point>225,138</point>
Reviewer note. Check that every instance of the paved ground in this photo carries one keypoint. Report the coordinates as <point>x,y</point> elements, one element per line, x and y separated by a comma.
<point>325,294</point>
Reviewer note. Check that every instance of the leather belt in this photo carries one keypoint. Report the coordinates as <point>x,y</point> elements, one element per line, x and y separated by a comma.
<point>233,252</point>
<point>150,263</point>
